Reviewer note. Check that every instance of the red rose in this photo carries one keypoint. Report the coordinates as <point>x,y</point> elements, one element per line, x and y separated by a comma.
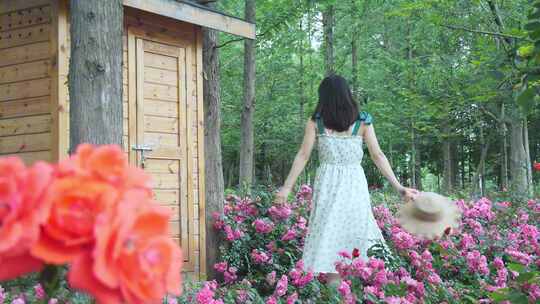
<point>536,166</point>
<point>355,253</point>
<point>447,231</point>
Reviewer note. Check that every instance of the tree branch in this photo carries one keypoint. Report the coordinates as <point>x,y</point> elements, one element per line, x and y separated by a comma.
<point>228,42</point>
<point>205,2</point>
<point>459,28</point>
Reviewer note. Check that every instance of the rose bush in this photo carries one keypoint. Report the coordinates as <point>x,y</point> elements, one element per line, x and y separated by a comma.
<point>94,213</point>
<point>492,258</point>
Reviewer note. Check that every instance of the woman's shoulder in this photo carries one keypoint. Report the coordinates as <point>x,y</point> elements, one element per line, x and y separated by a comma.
<point>365,117</point>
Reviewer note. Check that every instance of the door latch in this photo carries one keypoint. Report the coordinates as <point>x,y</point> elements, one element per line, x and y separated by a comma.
<point>142,149</point>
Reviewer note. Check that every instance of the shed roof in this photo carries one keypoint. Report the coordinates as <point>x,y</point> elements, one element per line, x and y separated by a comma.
<point>196,14</point>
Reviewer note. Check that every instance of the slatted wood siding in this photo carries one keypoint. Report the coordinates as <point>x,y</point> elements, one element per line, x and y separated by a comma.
<point>26,79</point>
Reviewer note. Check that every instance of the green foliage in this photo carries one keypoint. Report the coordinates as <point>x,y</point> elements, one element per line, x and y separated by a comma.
<point>423,68</point>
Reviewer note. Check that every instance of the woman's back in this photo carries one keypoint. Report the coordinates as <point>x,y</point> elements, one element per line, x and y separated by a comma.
<point>342,150</point>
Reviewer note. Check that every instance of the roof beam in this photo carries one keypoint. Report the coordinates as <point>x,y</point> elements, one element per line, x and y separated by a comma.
<point>195,15</point>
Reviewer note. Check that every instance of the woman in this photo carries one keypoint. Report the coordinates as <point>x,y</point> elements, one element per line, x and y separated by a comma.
<point>341,218</point>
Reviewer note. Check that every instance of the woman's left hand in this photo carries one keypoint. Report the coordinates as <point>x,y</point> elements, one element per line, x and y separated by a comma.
<point>408,194</point>
<point>281,196</point>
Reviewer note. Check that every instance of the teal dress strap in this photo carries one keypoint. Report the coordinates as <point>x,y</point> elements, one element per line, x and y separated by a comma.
<point>364,117</point>
<point>320,124</point>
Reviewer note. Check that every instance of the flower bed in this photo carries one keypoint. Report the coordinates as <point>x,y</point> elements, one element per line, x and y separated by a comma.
<point>491,258</point>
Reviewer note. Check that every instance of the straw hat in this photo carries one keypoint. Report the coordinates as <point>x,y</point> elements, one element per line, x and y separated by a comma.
<point>429,215</point>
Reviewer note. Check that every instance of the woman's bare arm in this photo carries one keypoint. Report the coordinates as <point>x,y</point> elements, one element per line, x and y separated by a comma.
<point>383,164</point>
<point>300,161</point>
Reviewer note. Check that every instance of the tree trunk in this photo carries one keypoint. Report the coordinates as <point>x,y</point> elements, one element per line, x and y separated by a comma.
<point>528,156</point>
<point>95,72</point>
<point>462,167</point>
<point>214,184</point>
<point>504,152</point>
<point>354,59</point>
<point>448,180</point>
<point>416,176</point>
<point>302,100</point>
<point>478,184</point>
<point>418,166</point>
<point>454,160</point>
<point>518,158</point>
<point>231,177</point>
<point>246,124</point>
<point>328,27</point>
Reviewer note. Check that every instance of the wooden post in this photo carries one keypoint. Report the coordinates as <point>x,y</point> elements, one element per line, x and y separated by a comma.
<point>95,72</point>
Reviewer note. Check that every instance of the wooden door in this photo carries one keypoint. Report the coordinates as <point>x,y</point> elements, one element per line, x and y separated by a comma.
<point>160,141</point>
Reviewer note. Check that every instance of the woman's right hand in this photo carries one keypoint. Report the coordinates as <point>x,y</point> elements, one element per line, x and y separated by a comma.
<point>281,196</point>
<point>408,194</point>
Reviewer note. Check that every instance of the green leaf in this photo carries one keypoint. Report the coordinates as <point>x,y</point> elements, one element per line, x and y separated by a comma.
<point>534,35</point>
<point>396,290</point>
<point>526,277</point>
<point>535,14</point>
<point>517,297</point>
<point>525,100</point>
<point>470,299</point>
<point>532,25</point>
<point>526,51</point>
<point>499,295</point>
<point>516,267</point>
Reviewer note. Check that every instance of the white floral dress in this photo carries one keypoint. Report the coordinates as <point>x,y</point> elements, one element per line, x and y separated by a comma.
<point>341,218</point>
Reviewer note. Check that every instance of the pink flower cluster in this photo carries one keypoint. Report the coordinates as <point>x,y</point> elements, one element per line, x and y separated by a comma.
<point>300,278</point>
<point>207,293</point>
<point>229,273</point>
<point>263,226</point>
<point>37,293</point>
<point>260,257</point>
<point>281,212</point>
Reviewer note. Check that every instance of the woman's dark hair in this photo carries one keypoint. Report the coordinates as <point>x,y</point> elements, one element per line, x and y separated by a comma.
<point>337,107</point>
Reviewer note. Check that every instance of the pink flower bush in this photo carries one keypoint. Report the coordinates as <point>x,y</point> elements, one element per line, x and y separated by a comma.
<point>494,253</point>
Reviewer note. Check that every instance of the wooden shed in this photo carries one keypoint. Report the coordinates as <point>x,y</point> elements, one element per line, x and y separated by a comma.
<point>163,96</point>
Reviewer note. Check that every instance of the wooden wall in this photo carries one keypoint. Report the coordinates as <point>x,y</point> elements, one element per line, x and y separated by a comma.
<point>26,72</point>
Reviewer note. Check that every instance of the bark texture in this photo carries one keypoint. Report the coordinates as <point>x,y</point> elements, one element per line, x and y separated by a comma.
<point>527,157</point>
<point>214,184</point>
<point>328,28</point>
<point>504,151</point>
<point>354,62</point>
<point>248,109</point>
<point>518,158</point>
<point>448,169</point>
<point>95,72</point>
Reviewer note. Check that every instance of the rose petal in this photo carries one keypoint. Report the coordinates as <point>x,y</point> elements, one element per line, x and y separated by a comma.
<point>80,276</point>
<point>12,267</point>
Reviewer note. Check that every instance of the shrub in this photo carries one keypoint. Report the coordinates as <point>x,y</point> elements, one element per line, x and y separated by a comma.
<point>491,258</point>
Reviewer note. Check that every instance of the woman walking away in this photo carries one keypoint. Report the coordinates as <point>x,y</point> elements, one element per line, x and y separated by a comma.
<point>341,218</point>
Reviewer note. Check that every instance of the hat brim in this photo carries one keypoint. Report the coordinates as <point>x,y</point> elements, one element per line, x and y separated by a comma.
<point>449,218</point>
